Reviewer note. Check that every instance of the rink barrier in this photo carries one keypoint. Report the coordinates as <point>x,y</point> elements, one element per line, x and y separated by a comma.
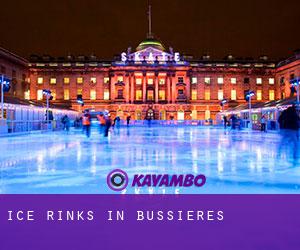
<point>169,123</point>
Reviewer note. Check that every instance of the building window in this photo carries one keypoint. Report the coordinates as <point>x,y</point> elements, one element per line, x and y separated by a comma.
<point>120,94</point>
<point>120,78</point>
<point>138,95</point>
<point>180,79</point>
<point>27,95</point>
<point>93,80</point>
<point>220,94</point>
<point>53,93</point>
<point>258,80</point>
<point>150,95</point>
<point>207,95</point>
<point>40,94</point>
<point>161,95</point>
<point>52,80</point>
<point>233,80</point>
<point>93,94</point>
<point>207,80</point>
<point>246,80</point>
<point>220,80</point>
<point>271,95</point>
<point>207,114</point>
<point>106,94</point>
<point>106,79</point>
<point>162,81</point>
<point>271,80</point>
<point>233,94</point>
<point>79,80</point>
<point>259,95</point>
<point>40,80</point>
<point>66,80</point>
<point>79,91</point>
<point>194,94</point>
<point>150,81</point>
<point>194,80</point>
<point>66,94</point>
<point>138,81</point>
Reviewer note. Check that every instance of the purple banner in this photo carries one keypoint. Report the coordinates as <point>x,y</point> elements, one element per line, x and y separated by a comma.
<point>90,222</point>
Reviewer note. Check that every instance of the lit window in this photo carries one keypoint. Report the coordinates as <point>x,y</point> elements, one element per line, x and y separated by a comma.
<point>161,95</point>
<point>79,80</point>
<point>66,80</point>
<point>150,95</point>
<point>27,95</point>
<point>233,80</point>
<point>66,94</point>
<point>207,114</point>
<point>79,91</point>
<point>220,94</point>
<point>207,80</point>
<point>138,95</point>
<point>138,81</point>
<point>40,80</point>
<point>106,79</point>
<point>258,80</point>
<point>271,80</point>
<point>120,79</point>
<point>93,94</point>
<point>40,94</point>
<point>259,95</point>
<point>233,94</point>
<point>150,81</point>
<point>194,80</point>
<point>162,81</point>
<point>271,95</point>
<point>106,94</point>
<point>220,80</point>
<point>207,95</point>
<point>93,80</point>
<point>52,80</point>
<point>53,93</point>
<point>194,94</point>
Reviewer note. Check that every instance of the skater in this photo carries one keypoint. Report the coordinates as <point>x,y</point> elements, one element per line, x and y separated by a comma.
<point>86,122</point>
<point>102,122</point>
<point>128,120</point>
<point>107,125</point>
<point>263,123</point>
<point>225,121</point>
<point>66,123</point>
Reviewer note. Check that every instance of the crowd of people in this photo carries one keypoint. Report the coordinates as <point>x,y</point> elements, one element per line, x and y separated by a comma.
<point>288,119</point>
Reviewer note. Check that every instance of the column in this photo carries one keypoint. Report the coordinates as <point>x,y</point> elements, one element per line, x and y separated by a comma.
<point>169,82</point>
<point>132,88</point>
<point>144,87</point>
<point>112,88</point>
<point>156,87</point>
<point>127,93</point>
<point>173,84</point>
<point>188,88</point>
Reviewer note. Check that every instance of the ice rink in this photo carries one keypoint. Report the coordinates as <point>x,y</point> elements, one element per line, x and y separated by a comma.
<point>233,161</point>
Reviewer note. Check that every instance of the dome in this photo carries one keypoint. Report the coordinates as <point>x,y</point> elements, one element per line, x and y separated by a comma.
<point>150,42</point>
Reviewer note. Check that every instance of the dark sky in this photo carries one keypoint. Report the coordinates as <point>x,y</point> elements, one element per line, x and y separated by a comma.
<point>240,27</point>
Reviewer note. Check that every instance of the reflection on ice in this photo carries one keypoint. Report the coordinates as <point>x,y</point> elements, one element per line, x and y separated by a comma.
<point>235,162</point>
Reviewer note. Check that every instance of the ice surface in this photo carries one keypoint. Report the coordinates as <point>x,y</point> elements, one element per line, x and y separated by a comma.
<point>233,162</point>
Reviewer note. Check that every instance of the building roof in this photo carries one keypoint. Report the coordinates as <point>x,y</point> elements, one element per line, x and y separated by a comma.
<point>150,42</point>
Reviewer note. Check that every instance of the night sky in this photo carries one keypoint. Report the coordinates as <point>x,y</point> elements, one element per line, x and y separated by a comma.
<point>244,28</point>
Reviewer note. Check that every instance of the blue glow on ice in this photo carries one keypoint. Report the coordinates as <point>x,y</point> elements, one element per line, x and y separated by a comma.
<point>235,162</point>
